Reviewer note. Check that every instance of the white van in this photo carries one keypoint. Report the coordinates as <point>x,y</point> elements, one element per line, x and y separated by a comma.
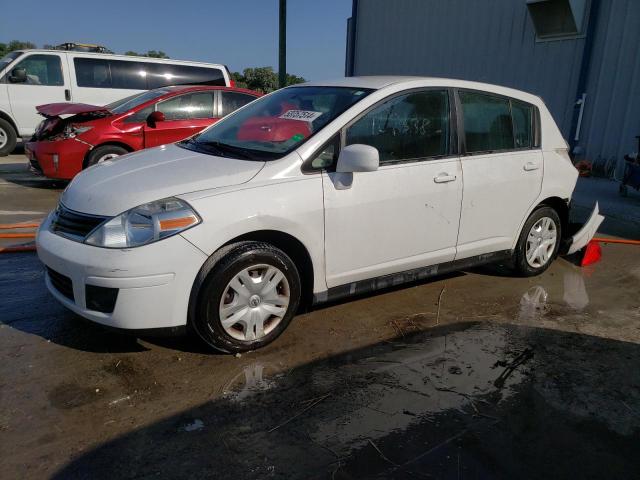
<point>35,77</point>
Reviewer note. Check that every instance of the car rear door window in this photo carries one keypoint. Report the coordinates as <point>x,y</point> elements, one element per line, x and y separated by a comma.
<point>406,127</point>
<point>522,114</point>
<point>487,122</point>
<point>42,70</point>
<point>231,101</point>
<point>189,105</point>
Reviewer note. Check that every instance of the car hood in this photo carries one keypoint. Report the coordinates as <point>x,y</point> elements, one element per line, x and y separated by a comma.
<point>116,185</point>
<point>58,109</point>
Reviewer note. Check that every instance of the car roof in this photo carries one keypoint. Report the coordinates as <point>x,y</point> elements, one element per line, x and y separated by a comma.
<point>378,82</point>
<point>123,57</point>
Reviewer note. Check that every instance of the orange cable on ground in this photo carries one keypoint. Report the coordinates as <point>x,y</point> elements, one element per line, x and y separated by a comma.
<point>9,226</point>
<point>17,235</point>
<point>616,240</point>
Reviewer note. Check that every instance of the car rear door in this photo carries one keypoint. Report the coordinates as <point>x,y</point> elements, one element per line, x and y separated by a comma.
<point>47,82</point>
<point>502,167</point>
<point>404,215</point>
<point>185,115</point>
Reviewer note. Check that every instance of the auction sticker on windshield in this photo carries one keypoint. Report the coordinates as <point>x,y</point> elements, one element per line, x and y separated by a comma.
<point>304,115</point>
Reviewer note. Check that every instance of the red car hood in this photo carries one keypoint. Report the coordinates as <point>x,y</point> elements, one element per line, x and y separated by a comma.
<point>57,109</point>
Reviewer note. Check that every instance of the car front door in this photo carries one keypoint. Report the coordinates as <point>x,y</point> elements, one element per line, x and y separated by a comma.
<point>404,215</point>
<point>502,170</point>
<point>46,81</point>
<point>184,114</point>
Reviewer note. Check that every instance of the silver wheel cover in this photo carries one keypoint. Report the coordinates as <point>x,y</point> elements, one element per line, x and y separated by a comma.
<point>541,242</point>
<point>4,137</point>
<point>254,302</point>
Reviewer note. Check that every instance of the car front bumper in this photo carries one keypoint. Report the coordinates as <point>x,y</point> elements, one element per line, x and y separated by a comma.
<point>61,159</point>
<point>153,282</point>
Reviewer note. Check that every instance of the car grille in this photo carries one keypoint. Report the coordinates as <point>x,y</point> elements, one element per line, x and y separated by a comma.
<point>61,283</point>
<point>74,225</point>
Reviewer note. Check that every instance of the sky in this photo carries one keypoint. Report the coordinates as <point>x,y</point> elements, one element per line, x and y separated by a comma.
<point>239,34</point>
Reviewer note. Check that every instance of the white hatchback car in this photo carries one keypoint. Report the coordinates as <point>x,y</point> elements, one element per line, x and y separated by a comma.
<point>309,194</point>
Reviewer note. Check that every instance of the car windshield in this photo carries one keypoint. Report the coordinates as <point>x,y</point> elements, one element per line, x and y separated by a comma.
<point>8,58</point>
<point>133,101</point>
<point>272,126</point>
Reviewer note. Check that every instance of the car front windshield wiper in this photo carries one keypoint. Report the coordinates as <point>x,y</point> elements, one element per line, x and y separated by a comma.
<point>226,148</point>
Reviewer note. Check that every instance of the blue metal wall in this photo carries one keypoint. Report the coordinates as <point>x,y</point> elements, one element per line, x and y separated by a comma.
<point>494,41</point>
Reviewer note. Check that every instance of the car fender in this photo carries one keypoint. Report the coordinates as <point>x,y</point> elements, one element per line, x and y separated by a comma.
<point>293,206</point>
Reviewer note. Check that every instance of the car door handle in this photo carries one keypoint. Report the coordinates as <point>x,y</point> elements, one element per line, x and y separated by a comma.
<point>444,178</point>
<point>67,94</point>
<point>531,166</point>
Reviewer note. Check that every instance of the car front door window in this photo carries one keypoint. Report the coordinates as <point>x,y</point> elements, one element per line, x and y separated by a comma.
<point>42,70</point>
<point>187,106</point>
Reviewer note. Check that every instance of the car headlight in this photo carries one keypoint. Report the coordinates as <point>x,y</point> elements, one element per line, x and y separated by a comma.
<point>145,224</point>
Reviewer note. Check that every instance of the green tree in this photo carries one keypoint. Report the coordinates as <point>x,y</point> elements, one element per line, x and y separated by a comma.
<point>262,79</point>
<point>15,45</point>
<point>150,54</point>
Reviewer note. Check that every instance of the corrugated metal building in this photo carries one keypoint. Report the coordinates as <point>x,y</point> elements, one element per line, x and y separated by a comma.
<point>565,51</point>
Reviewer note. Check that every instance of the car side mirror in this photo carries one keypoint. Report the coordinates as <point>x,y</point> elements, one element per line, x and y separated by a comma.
<point>358,158</point>
<point>154,118</point>
<point>18,75</point>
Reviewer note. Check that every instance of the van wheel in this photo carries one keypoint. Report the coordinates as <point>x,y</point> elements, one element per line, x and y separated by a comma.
<point>106,152</point>
<point>8,138</point>
<point>538,243</point>
<point>248,298</point>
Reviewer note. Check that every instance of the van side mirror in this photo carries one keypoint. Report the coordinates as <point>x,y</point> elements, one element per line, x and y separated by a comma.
<point>153,118</point>
<point>18,75</point>
<point>358,158</point>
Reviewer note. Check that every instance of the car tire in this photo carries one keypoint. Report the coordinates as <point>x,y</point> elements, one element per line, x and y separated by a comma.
<point>246,295</point>
<point>105,152</point>
<point>8,138</point>
<point>538,243</point>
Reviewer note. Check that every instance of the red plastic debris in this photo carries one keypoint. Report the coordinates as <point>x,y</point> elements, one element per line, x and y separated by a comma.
<point>592,254</point>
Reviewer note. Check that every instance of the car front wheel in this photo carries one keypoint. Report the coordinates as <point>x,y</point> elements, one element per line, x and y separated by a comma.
<point>538,243</point>
<point>248,297</point>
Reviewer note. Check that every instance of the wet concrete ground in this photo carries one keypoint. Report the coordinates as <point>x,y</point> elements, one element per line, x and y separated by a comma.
<point>515,378</point>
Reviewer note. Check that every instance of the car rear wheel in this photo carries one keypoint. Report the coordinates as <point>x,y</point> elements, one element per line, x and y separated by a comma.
<point>8,138</point>
<point>106,152</point>
<point>538,243</point>
<point>248,298</point>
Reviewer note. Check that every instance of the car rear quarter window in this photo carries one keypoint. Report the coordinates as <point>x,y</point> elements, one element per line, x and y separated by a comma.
<point>522,114</point>
<point>487,122</point>
<point>231,101</point>
<point>189,105</point>
<point>406,127</point>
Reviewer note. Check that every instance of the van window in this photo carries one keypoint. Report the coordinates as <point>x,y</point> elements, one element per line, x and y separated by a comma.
<point>406,127</point>
<point>92,72</point>
<point>42,70</point>
<point>162,75</point>
<point>190,105</point>
<point>522,115</point>
<point>487,122</point>
<point>129,75</point>
<point>231,101</point>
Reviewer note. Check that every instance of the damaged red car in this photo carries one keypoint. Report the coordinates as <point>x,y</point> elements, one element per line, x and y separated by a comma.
<point>75,136</point>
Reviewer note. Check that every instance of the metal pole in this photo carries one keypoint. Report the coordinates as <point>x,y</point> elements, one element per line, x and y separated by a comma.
<point>282,57</point>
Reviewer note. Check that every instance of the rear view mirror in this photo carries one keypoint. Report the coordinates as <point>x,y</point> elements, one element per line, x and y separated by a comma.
<point>18,75</point>
<point>153,118</point>
<point>358,158</point>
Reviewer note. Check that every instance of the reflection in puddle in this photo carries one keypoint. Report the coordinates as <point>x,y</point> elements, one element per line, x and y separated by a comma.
<point>575,291</point>
<point>534,302</point>
<point>251,378</point>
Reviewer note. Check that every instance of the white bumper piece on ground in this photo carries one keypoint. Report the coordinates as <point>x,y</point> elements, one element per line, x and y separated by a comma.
<point>153,281</point>
<point>586,233</point>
